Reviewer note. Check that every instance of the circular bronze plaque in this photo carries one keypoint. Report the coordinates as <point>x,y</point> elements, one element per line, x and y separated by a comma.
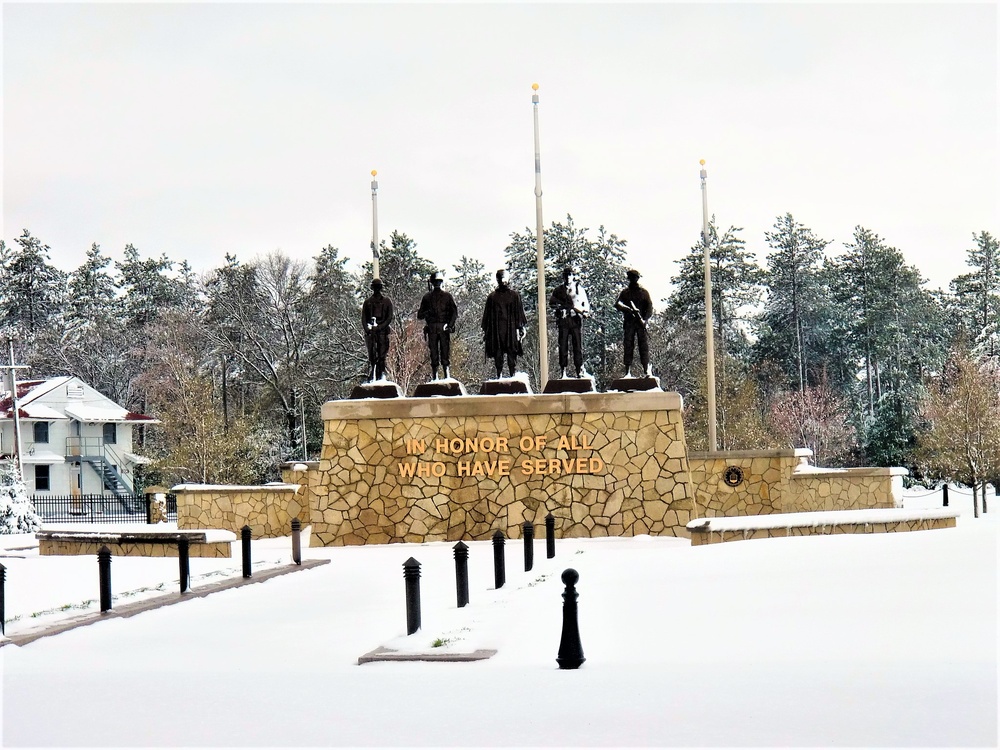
<point>733,476</point>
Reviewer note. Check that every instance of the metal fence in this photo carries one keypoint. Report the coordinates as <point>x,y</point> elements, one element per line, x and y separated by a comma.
<point>98,508</point>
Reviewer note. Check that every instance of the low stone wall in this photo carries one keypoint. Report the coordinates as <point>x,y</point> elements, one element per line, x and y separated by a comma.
<point>418,470</point>
<point>703,532</point>
<point>267,509</point>
<point>843,489</point>
<point>783,481</point>
<point>133,549</point>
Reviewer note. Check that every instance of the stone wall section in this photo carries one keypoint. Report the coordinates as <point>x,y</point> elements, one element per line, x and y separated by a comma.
<point>699,537</point>
<point>134,549</point>
<point>267,509</point>
<point>783,481</point>
<point>358,495</point>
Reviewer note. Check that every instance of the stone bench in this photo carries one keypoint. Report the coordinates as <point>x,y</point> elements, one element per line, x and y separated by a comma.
<point>868,521</point>
<point>136,543</point>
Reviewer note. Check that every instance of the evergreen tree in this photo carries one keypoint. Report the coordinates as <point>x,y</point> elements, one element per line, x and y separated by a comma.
<point>150,287</point>
<point>794,326</point>
<point>978,295</point>
<point>32,291</point>
<point>17,513</point>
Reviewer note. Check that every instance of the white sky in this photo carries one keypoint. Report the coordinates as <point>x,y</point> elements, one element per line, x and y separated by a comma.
<point>196,130</point>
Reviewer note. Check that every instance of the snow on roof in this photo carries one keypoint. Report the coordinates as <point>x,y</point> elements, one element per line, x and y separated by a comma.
<point>39,412</point>
<point>29,390</point>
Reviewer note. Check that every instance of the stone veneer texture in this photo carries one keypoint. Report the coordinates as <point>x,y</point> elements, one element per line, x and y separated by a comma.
<point>133,549</point>
<point>714,537</point>
<point>267,509</point>
<point>622,469</point>
<point>782,481</point>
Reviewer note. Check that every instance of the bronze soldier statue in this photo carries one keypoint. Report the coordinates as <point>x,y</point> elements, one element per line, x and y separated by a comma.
<point>376,316</point>
<point>635,304</point>
<point>439,313</point>
<point>571,305</point>
<point>503,325</point>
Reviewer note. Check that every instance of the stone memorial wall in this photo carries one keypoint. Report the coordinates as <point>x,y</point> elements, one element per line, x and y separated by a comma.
<point>418,470</point>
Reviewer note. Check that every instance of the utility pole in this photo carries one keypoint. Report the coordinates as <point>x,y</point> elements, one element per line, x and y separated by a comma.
<point>543,338</point>
<point>713,443</point>
<point>375,252</point>
<point>14,406</point>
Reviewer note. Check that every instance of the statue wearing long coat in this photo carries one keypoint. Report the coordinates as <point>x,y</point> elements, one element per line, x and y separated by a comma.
<point>502,319</point>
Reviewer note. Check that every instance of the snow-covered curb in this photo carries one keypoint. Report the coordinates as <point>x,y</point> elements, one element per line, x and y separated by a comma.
<point>818,518</point>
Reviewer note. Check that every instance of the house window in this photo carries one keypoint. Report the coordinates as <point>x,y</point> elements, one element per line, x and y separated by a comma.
<point>42,477</point>
<point>110,432</point>
<point>41,432</point>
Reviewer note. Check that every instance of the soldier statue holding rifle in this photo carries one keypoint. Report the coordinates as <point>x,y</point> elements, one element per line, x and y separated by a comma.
<point>635,304</point>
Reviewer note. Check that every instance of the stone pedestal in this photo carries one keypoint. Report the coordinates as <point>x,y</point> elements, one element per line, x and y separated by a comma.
<point>503,386</point>
<point>570,385</point>
<point>439,388</point>
<point>632,385</point>
<point>378,389</point>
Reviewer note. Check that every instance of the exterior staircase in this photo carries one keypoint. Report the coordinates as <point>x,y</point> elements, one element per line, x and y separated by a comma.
<point>113,481</point>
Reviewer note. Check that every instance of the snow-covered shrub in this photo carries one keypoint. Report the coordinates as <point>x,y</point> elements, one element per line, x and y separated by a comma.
<point>17,513</point>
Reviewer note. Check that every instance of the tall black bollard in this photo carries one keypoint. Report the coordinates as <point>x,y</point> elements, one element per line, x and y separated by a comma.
<point>499,568</point>
<point>550,536</point>
<point>296,541</point>
<point>184,563</point>
<point>3,614</point>
<point>944,491</point>
<point>104,571</point>
<point>462,573</point>
<point>411,574</point>
<point>529,545</point>
<point>570,648</point>
<point>245,540</point>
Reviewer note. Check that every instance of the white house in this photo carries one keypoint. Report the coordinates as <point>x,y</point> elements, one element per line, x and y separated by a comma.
<point>74,440</point>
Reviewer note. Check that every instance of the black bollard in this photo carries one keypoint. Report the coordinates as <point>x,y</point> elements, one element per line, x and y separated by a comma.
<point>499,569</point>
<point>296,541</point>
<point>411,574</point>
<point>184,563</point>
<point>104,571</point>
<point>570,648</point>
<point>3,615</point>
<point>529,545</point>
<point>462,573</point>
<point>550,536</point>
<point>245,540</point>
<point>944,491</point>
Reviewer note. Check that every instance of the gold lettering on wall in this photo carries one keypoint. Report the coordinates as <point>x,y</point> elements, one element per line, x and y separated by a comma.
<point>497,466</point>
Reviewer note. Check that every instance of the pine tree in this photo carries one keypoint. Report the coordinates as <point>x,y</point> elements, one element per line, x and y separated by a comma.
<point>978,295</point>
<point>17,513</point>
<point>795,322</point>
<point>32,292</point>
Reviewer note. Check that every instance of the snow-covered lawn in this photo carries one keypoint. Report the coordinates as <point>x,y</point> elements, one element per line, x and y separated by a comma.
<point>850,640</point>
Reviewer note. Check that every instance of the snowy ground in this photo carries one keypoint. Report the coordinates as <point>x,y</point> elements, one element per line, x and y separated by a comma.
<point>862,641</point>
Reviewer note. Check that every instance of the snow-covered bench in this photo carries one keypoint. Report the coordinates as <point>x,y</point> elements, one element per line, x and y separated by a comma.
<point>867,521</point>
<point>141,541</point>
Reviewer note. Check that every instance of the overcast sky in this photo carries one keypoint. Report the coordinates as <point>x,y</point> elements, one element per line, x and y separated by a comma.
<point>196,130</point>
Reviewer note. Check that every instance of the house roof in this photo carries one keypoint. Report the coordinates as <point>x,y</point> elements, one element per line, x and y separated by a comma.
<point>99,409</point>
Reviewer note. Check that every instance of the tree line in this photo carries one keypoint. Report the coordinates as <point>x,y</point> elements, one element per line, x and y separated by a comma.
<point>846,352</point>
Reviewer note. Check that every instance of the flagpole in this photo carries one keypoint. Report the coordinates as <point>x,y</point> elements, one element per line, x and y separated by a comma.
<point>713,443</point>
<point>375,251</point>
<point>543,339</point>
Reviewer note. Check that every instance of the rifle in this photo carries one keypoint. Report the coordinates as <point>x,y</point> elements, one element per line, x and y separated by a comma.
<point>634,309</point>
